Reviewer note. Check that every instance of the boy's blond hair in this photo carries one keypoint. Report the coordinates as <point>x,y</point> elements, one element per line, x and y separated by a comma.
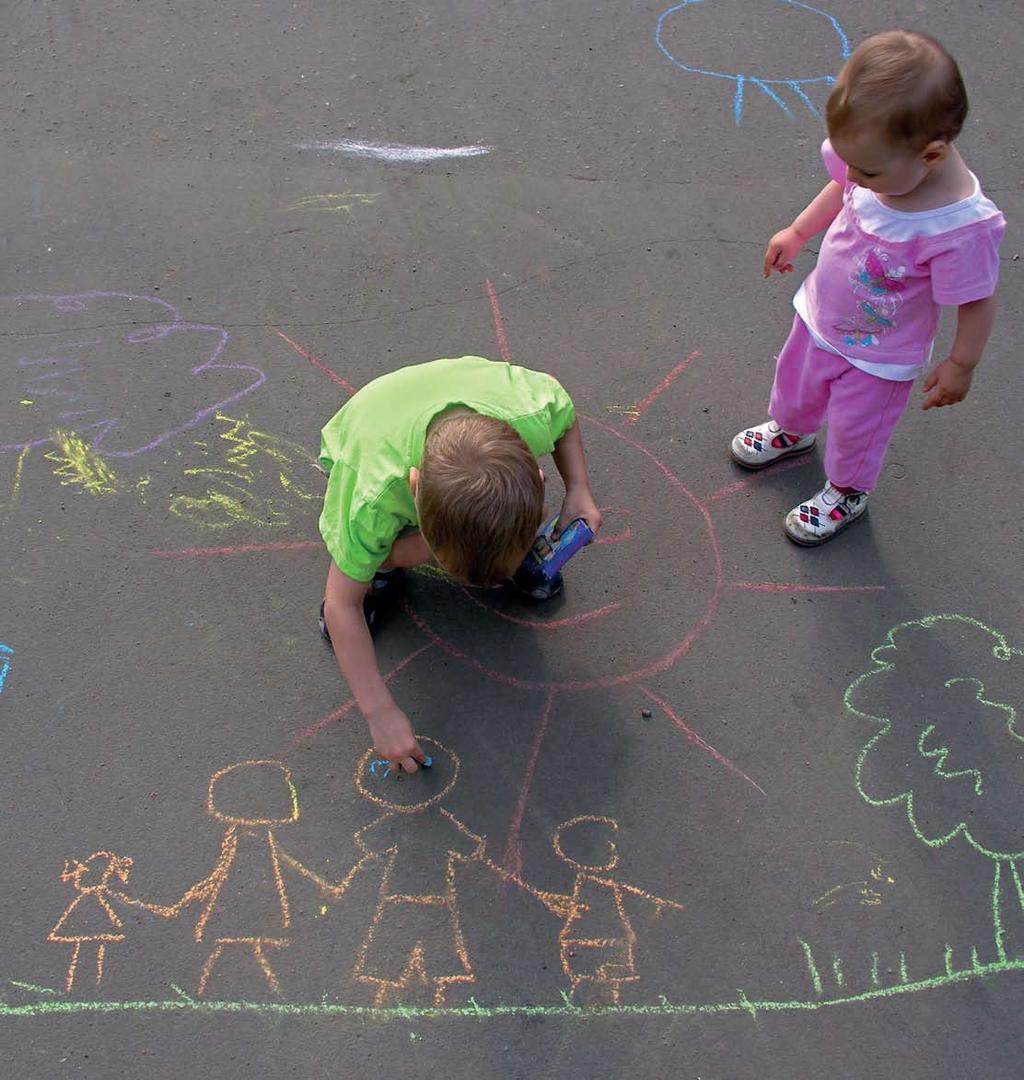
<point>480,497</point>
<point>904,82</point>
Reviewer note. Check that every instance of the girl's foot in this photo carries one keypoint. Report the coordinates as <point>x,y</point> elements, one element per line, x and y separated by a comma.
<point>756,447</point>
<point>823,515</point>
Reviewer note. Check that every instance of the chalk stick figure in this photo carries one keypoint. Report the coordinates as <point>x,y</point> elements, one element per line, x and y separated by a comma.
<point>89,919</point>
<point>597,941</point>
<point>415,940</point>
<point>252,798</point>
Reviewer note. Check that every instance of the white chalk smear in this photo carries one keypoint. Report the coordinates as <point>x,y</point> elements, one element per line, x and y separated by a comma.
<point>394,151</point>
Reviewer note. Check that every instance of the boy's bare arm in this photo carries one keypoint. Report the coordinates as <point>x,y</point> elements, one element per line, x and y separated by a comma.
<point>390,729</point>
<point>951,380</point>
<point>819,213</point>
<point>572,466</point>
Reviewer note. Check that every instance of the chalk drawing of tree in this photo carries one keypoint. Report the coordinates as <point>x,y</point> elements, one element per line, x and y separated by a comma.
<point>949,748</point>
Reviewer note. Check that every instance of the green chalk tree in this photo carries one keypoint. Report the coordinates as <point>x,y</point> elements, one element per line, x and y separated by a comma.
<point>948,748</point>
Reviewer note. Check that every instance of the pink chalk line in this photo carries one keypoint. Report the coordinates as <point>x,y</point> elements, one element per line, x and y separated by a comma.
<point>698,741</point>
<point>240,549</point>
<point>784,587</point>
<point>512,860</point>
<point>499,324</point>
<point>614,538</point>
<point>537,624</point>
<point>343,710</point>
<point>739,485</point>
<point>639,409</point>
<point>318,364</point>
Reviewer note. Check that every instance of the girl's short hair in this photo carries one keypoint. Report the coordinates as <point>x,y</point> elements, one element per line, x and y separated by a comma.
<point>904,81</point>
<point>480,497</point>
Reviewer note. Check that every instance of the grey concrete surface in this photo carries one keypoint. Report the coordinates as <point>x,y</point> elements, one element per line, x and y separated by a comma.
<point>187,288</point>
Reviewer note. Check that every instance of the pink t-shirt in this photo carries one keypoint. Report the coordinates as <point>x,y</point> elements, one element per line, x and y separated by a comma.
<point>883,275</point>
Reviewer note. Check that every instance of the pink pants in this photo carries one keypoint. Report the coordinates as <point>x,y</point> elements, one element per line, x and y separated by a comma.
<point>813,384</point>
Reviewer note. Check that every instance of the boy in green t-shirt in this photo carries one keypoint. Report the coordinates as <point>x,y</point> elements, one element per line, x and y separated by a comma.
<point>436,461</point>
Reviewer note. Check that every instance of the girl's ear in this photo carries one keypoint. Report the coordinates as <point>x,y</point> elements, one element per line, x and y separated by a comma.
<point>414,479</point>
<point>935,152</point>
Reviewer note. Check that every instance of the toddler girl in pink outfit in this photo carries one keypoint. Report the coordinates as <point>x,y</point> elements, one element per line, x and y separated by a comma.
<point>909,231</point>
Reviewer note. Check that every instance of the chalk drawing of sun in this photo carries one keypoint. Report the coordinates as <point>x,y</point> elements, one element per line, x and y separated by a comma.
<point>600,634</point>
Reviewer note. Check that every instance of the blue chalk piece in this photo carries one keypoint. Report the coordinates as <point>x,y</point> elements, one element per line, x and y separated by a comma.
<point>380,768</point>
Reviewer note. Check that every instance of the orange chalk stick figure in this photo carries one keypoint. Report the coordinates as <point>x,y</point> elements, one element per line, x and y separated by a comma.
<point>415,938</point>
<point>415,941</point>
<point>89,918</point>
<point>597,941</point>
<point>252,798</point>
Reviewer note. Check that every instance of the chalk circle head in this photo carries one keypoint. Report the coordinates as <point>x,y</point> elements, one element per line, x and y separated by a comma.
<point>408,795</point>
<point>584,836</point>
<point>253,793</point>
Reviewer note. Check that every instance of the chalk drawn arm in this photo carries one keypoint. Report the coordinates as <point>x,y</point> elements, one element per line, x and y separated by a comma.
<point>558,904</point>
<point>333,890</point>
<point>659,902</point>
<point>200,891</point>
<point>204,890</point>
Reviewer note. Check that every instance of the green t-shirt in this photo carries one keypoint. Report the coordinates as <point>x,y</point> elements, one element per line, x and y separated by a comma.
<point>370,444</point>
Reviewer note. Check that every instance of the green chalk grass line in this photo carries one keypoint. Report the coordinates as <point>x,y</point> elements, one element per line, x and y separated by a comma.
<point>812,967</point>
<point>476,1011</point>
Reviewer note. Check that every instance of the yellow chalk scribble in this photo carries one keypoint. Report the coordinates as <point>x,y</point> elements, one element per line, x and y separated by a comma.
<point>232,498</point>
<point>19,468</point>
<point>78,464</point>
<point>335,202</point>
<point>868,896</point>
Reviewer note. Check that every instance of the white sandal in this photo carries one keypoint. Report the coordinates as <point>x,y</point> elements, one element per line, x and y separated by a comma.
<point>763,445</point>
<point>827,511</point>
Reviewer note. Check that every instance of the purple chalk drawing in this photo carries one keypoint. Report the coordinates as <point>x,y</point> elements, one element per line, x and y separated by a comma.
<point>53,374</point>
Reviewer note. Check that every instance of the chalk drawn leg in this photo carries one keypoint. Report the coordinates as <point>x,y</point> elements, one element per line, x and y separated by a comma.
<point>431,958</point>
<point>101,952</point>
<point>70,981</point>
<point>257,944</point>
<point>597,968</point>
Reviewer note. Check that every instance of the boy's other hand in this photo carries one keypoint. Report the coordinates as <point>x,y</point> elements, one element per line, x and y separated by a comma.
<point>578,504</point>
<point>394,740</point>
<point>946,385</point>
<point>782,249</point>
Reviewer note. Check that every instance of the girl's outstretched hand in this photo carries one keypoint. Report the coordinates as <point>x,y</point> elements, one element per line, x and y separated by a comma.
<point>946,385</point>
<point>782,249</point>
